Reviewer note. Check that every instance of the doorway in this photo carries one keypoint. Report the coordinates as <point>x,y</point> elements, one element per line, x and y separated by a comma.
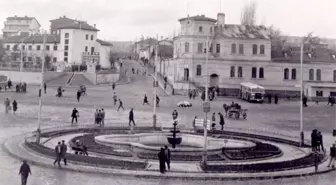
<point>186,74</point>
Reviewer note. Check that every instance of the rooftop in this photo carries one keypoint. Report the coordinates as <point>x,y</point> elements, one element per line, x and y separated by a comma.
<point>244,31</point>
<point>147,41</point>
<point>104,43</point>
<point>64,22</point>
<point>30,39</point>
<point>198,18</point>
<point>20,18</point>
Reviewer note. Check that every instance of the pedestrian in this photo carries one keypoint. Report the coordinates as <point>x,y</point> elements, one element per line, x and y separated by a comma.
<point>7,105</point>
<point>24,172</point>
<point>103,117</point>
<point>45,88</point>
<point>162,160</point>
<point>15,106</point>
<point>131,118</point>
<point>115,98</point>
<point>96,117</point>
<point>113,86</point>
<point>269,98</point>
<point>64,149</point>
<point>167,155</point>
<point>145,100</point>
<point>276,99</point>
<point>316,160</point>
<point>74,115</point>
<point>157,101</point>
<point>120,105</point>
<point>332,156</point>
<point>194,122</point>
<point>313,139</point>
<point>319,138</point>
<point>99,117</point>
<point>175,115</point>
<point>221,120</point>
<point>58,153</point>
<point>79,93</point>
<point>213,125</point>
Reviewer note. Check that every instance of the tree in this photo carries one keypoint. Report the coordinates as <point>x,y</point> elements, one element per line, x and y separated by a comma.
<point>2,51</point>
<point>277,40</point>
<point>248,16</point>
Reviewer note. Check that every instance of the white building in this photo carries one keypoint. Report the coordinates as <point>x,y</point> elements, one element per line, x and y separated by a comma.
<point>14,26</point>
<point>239,54</point>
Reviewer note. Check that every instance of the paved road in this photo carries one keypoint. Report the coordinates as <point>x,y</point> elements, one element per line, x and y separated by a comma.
<point>277,118</point>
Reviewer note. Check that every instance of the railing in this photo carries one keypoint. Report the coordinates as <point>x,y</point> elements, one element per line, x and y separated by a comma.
<point>90,53</point>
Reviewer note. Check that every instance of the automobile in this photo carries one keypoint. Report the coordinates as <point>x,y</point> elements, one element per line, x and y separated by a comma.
<point>184,104</point>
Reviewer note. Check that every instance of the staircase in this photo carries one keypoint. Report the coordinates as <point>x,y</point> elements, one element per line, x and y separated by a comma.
<point>78,80</point>
<point>160,79</point>
<point>61,81</point>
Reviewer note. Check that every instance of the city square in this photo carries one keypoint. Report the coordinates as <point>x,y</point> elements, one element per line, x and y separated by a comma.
<point>211,102</point>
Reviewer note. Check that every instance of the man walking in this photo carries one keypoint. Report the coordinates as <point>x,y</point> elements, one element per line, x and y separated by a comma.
<point>120,105</point>
<point>79,93</point>
<point>64,149</point>
<point>7,105</point>
<point>131,118</point>
<point>24,172</point>
<point>332,156</point>
<point>113,86</point>
<point>45,88</point>
<point>74,115</point>
<point>102,117</point>
<point>167,154</point>
<point>115,99</point>
<point>58,153</point>
<point>145,101</point>
<point>221,120</point>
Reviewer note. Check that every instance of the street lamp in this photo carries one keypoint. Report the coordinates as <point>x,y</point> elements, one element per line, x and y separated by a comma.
<point>155,84</point>
<point>205,152</point>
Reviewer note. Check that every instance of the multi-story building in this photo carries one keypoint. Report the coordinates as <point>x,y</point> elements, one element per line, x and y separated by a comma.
<point>24,26</point>
<point>73,42</point>
<point>238,53</point>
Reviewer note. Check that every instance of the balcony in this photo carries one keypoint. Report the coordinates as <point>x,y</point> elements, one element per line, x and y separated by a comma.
<point>20,23</point>
<point>90,57</point>
<point>90,54</point>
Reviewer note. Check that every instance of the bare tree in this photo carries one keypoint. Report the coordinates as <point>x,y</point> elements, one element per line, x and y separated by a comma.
<point>248,15</point>
<point>2,50</point>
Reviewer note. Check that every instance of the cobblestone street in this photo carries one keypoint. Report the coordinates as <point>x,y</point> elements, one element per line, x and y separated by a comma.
<point>281,118</point>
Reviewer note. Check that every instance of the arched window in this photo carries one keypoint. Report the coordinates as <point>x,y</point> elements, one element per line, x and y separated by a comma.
<point>318,75</point>
<point>240,72</point>
<point>232,71</point>
<point>254,49</point>
<point>198,70</point>
<point>233,48</point>
<point>286,74</point>
<point>293,74</point>
<point>261,72</point>
<point>334,75</point>
<point>262,49</point>
<point>254,72</point>
<point>311,74</point>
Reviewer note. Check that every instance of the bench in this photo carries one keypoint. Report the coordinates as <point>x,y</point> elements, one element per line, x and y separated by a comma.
<point>199,124</point>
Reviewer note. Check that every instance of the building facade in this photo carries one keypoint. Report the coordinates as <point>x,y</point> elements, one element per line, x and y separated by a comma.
<point>24,26</point>
<point>237,54</point>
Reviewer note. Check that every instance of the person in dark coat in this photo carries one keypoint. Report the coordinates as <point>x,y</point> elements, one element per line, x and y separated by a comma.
<point>45,88</point>
<point>167,154</point>
<point>131,118</point>
<point>15,106</point>
<point>162,160</point>
<point>120,105</point>
<point>64,149</point>
<point>145,100</point>
<point>316,160</point>
<point>213,125</point>
<point>319,139</point>
<point>332,156</point>
<point>314,140</point>
<point>269,98</point>
<point>58,154</point>
<point>276,99</point>
<point>79,93</point>
<point>113,86</point>
<point>74,115</point>
<point>221,120</point>
<point>24,172</point>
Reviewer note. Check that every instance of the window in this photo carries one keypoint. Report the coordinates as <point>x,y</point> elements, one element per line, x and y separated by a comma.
<point>318,75</point>
<point>54,59</point>
<point>200,29</point>
<point>210,29</point>
<point>254,72</point>
<point>286,74</point>
<point>66,35</point>
<point>217,48</point>
<point>91,37</point>
<point>311,74</point>
<point>65,54</point>
<point>186,47</point>
<point>293,74</point>
<point>30,47</point>
<point>38,47</point>
<point>240,72</point>
<point>198,70</point>
<point>232,71</point>
<point>66,41</point>
<point>92,50</point>
<point>241,49</point>
<point>8,47</point>
<point>254,49</point>
<point>86,49</point>
<point>319,93</point>
<point>199,47</point>
<point>233,48</point>
<point>65,59</point>
<point>47,47</point>
<point>261,72</point>
<point>262,50</point>
<point>66,48</point>
<point>55,47</point>
<point>87,37</point>
<point>334,75</point>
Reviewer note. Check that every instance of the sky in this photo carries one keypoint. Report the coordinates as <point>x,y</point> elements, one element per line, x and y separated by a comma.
<point>127,20</point>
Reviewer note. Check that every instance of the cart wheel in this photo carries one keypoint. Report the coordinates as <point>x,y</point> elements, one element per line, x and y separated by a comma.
<point>237,115</point>
<point>230,114</point>
<point>244,115</point>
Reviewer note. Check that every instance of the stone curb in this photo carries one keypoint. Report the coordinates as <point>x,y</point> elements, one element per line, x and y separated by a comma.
<point>150,174</point>
<point>92,86</point>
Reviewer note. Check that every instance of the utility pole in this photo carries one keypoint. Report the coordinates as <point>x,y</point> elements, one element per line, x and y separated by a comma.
<point>205,152</point>
<point>301,96</point>
<point>155,83</point>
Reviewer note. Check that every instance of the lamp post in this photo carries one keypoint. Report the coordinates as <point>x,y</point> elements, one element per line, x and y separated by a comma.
<point>155,84</point>
<point>205,152</point>
<point>38,136</point>
<point>301,96</point>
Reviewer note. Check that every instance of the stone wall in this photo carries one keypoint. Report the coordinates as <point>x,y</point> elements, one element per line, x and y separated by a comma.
<point>102,78</point>
<point>30,77</point>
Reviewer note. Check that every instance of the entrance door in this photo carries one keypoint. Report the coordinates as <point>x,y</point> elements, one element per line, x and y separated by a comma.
<point>214,80</point>
<point>186,74</point>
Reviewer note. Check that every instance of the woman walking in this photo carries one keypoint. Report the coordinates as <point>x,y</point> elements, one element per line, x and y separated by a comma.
<point>15,106</point>
<point>162,160</point>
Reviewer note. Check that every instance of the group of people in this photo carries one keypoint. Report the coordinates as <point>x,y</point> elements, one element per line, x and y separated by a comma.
<point>8,106</point>
<point>60,152</point>
<point>164,158</point>
<point>145,100</point>
<point>331,100</point>
<point>317,140</point>
<point>99,117</point>
<point>192,94</point>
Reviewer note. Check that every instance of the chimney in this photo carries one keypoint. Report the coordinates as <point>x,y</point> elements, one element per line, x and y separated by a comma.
<point>221,20</point>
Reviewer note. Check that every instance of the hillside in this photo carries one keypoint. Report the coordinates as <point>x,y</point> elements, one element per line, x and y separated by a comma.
<point>121,46</point>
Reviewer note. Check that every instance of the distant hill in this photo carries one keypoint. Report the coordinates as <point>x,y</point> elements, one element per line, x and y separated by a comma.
<point>121,46</point>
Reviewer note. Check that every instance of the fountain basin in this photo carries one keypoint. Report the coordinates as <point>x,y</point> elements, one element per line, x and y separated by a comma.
<point>151,142</point>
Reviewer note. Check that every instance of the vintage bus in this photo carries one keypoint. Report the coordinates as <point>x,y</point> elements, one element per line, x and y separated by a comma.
<point>252,92</point>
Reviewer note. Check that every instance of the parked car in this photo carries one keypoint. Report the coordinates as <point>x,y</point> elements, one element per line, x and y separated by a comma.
<point>184,104</point>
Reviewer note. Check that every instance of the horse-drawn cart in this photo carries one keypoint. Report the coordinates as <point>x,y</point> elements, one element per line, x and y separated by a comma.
<point>235,111</point>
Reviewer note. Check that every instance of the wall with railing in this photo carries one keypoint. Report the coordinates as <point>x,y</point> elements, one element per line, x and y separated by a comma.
<point>30,77</point>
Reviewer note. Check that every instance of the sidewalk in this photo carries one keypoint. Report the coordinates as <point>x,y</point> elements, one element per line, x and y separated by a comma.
<point>15,147</point>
